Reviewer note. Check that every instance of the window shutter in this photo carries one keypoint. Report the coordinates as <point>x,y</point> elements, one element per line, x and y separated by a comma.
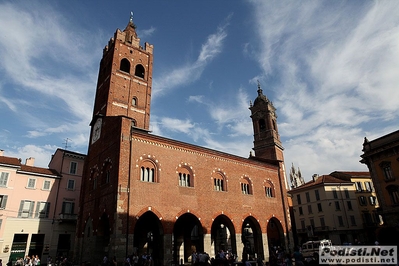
<point>63,207</point>
<point>4,202</point>
<point>32,205</point>
<point>37,213</point>
<point>21,207</point>
<point>73,208</point>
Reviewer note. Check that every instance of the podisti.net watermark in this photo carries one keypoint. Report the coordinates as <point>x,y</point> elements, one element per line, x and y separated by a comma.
<point>365,255</point>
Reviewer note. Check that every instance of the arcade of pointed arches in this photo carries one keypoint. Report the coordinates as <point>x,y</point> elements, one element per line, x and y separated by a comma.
<point>188,235</point>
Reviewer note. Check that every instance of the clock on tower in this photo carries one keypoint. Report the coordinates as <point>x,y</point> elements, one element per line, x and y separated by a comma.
<point>96,131</point>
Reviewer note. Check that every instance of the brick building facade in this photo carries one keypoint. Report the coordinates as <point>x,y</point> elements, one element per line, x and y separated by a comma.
<point>143,193</point>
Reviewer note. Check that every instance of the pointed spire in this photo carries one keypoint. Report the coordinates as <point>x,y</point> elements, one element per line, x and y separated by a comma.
<point>130,29</point>
<point>260,92</point>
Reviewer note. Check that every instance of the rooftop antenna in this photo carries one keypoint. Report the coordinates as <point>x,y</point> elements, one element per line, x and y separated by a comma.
<point>66,143</point>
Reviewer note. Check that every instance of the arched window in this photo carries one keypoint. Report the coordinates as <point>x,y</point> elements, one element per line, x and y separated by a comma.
<point>139,71</point>
<point>184,180</point>
<point>185,175</point>
<point>219,182</point>
<point>246,187</point>
<point>134,101</point>
<point>106,171</point>
<point>269,190</point>
<point>125,65</point>
<point>147,172</point>
<point>262,125</point>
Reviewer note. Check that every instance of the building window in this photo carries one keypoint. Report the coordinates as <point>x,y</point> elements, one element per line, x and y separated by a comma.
<point>359,187</point>
<point>71,184</point>
<point>373,200</point>
<point>219,181</point>
<point>184,180</point>
<point>185,175</point>
<point>362,201</point>
<point>349,205</point>
<point>4,179</point>
<point>218,184</point>
<point>139,72</point>
<point>322,222</point>
<point>317,195</point>
<point>335,195</point>
<point>303,224</point>
<point>298,198</point>
<point>262,125</point>
<point>319,208</point>
<point>148,172</point>
<point>26,209</point>
<point>307,197</point>
<point>337,207</point>
<point>245,188</point>
<point>346,191</point>
<point>42,209</point>
<point>310,209</point>
<point>300,211</point>
<point>367,218</point>
<point>393,194</point>
<point>269,192</point>
<point>125,65</point>
<point>107,176</point>
<point>312,222</point>
<point>31,183</point>
<point>369,187</point>
<point>387,170</point>
<point>46,185</point>
<point>134,101</point>
<point>353,220</point>
<point>94,183</point>
<point>3,201</point>
<point>68,207</point>
<point>73,166</point>
<point>340,221</point>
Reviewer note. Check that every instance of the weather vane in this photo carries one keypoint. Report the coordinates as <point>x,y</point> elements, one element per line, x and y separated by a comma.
<point>131,16</point>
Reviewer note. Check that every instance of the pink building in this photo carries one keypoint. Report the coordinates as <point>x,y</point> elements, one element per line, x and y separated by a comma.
<point>38,206</point>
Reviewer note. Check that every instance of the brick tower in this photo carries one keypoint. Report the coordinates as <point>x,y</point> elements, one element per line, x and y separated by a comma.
<point>267,144</point>
<point>125,78</point>
<point>122,102</point>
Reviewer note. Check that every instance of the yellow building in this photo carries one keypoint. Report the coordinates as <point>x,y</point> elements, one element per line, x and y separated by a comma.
<point>381,157</point>
<point>330,207</point>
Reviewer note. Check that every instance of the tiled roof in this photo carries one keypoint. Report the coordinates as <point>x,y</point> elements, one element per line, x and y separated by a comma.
<point>10,161</point>
<point>324,179</point>
<point>37,170</point>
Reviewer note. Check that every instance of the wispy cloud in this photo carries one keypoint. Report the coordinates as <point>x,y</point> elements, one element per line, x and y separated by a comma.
<point>333,65</point>
<point>190,72</point>
<point>146,33</point>
<point>42,55</point>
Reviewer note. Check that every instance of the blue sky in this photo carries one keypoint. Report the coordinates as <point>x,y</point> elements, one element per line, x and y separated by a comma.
<point>331,69</point>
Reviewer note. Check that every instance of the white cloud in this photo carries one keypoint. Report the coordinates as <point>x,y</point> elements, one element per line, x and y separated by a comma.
<point>333,67</point>
<point>146,33</point>
<point>190,72</point>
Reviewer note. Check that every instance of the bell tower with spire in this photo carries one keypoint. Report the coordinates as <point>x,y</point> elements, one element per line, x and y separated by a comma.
<point>125,78</point>
<point>267,144</point>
